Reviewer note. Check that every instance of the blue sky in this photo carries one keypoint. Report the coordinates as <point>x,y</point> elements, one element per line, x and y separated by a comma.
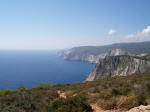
<point>58,24</point>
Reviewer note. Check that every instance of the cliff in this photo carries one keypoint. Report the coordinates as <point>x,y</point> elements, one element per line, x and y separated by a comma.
<point>92,54</point>
<point>89,57</point>
<point>119,66</point>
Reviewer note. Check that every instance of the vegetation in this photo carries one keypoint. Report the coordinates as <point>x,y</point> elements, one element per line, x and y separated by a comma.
<point>43,98</point>
<point>112,93</point>
<point>74,104</point>
<point>134,48</point>
<point>146,58</point>
<point>123,92</point>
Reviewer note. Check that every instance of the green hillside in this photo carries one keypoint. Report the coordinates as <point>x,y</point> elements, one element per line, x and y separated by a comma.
<point>112,93</point>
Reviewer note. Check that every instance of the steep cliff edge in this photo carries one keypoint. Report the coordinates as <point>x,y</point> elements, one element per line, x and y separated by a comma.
<point>92,54</point>
<point>122,65</point>
<point>89,57</point>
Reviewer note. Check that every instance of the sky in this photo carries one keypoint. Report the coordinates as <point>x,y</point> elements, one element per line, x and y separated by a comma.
<point>60,24</point>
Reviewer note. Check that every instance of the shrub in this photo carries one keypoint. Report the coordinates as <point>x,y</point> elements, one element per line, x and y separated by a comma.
<point>74,104</point>
<point>44,86</point>
<point>126,102</point>
<point>108,104</point>
<point>5,92</point>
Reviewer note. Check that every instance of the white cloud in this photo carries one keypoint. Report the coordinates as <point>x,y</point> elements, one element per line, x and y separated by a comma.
<point>140,36</point>
<point>112,32</point>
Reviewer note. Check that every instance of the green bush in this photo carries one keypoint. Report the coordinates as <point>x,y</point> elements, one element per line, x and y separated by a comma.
<point>44,86</point>
<point>5,92</point>
<point>74,104</point>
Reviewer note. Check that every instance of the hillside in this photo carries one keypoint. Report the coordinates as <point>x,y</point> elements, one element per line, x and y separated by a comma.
<point>94,53</point>
<point>121,65</point>
<point>118,93</point>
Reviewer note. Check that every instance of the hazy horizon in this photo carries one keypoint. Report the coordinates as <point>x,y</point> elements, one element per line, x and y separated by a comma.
<point>62,24</point>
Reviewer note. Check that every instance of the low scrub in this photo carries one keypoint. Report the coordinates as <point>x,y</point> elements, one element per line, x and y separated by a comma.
<point>112,93</point>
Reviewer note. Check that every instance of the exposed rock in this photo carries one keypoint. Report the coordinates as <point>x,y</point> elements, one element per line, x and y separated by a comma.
<point>141,108</point>
<point>92,58</point>
<point>118,66</point>
<point>92,54</point>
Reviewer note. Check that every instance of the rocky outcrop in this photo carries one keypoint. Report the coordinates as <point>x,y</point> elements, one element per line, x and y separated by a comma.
<point>119,66</point>
<point>141,108</point>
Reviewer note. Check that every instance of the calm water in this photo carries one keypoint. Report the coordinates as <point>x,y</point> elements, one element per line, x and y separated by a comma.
<point>30,68</point>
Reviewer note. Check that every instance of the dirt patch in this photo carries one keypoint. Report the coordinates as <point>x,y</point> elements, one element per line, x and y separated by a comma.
<point>62,94</point>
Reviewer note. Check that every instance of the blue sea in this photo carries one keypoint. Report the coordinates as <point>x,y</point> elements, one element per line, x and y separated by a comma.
<point>31,68</point>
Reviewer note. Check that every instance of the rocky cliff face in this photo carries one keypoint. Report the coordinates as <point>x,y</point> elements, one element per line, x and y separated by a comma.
<point>118,65</point>
<point>92,54</point>
<point>92,58</point>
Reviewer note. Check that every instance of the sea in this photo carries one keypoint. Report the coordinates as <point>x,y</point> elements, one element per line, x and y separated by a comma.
<point>31,68</point>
